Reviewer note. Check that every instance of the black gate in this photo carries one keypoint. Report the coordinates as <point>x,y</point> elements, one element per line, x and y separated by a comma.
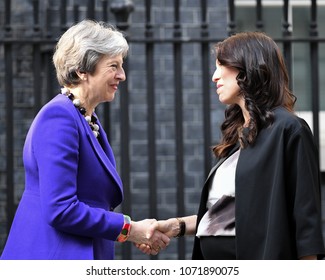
<point>165,119</point>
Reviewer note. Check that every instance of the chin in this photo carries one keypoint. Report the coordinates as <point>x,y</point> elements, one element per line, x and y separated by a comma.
<point>224,102</point>
<point>110,98</point>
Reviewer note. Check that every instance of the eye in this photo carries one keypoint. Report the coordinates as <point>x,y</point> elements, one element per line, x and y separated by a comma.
<point>114,66</point>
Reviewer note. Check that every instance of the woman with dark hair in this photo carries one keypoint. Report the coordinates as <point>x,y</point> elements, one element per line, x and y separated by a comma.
<point>262,198</point>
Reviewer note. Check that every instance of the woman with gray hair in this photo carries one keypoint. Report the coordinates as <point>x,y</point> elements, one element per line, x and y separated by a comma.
<point>72,186</point>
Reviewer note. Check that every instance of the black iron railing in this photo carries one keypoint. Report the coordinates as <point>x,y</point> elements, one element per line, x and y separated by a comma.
<point>50,18</point>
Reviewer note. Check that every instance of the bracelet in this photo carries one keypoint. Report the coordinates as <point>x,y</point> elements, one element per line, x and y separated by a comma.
<point>182,227</point>
<point>126,229</point>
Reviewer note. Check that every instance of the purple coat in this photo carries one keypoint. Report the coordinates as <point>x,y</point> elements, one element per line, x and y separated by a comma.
<point>71,190</point>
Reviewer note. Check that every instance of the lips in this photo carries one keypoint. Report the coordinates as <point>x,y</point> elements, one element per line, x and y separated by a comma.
<point>218,87</point>
<point>115,86</point>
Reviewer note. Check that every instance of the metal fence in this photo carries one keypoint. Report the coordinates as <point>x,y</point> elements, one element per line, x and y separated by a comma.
<point>50,18</point>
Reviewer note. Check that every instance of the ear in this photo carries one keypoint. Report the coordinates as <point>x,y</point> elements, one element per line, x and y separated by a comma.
<point>82,74</point>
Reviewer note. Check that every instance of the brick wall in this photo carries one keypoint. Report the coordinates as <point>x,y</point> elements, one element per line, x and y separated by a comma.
<point>162,17</point>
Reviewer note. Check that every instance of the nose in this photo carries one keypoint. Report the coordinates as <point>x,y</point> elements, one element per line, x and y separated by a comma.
<point>120,75</point>
<point>216,75</point>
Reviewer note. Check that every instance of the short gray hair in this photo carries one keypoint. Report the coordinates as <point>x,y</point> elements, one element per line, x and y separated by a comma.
<point>82,46</point>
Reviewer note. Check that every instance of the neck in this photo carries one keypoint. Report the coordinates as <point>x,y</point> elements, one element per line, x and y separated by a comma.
<point>89,117</point>
<point>84,100</point>
<point>246,117</point>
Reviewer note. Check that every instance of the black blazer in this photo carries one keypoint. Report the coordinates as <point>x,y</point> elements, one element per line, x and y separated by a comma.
<point>278,205</point>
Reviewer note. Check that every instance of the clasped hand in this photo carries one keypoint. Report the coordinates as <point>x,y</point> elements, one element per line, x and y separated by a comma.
<point>146,236</point>
<point>150,236</point>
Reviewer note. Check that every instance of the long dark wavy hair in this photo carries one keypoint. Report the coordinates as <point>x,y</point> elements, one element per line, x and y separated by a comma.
<point>264,84</point>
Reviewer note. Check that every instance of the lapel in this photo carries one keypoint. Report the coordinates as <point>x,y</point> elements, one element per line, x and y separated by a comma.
<point>103,150</point>
<point>220,161</point>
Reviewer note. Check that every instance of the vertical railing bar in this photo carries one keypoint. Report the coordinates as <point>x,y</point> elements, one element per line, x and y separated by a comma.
<point>106,105</point>
<point>232,15</point>
<point>125,152</point>
<point>205,51</point>
<point>286,24</point>
<point>49,70</point>
<point>8,15</point>
<point>8,59</point>
<point>314,59</point>
<point>50,75</point>
<point>76,12</point>
<point>48,18</point>
<point>122,11</point>
<point>104,11</point>
<point>259,15</point>
<point>51,90</point>
<point>287,44</point>
<point>178,122</point>
<point>151,116</point>
<point>91,9</point>
<point>36,16</point>
<point>36,59</point>
<point>63,15</point>
<point>9,134</point>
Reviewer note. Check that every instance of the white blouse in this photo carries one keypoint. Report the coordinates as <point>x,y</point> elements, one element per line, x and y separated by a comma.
<point>223,184</point>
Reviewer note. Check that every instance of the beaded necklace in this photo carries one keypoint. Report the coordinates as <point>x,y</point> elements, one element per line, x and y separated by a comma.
<point>91,120</point>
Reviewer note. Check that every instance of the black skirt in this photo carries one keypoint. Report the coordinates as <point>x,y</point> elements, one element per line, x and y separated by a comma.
<point>218,247</point>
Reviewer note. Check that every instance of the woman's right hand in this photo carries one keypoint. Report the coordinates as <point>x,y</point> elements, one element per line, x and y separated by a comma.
<point>169,228</point>
<point>146,232</point>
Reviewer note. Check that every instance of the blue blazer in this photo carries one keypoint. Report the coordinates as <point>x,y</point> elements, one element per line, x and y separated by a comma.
<point>71,190</point>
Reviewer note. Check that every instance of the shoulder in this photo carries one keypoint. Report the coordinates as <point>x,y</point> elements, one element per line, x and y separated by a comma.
<point>58,106</point>
<point>289,121</point>
<point>59,101</point>
<point>57,112</point>
<point>286,127</point>
<point>57,119</point>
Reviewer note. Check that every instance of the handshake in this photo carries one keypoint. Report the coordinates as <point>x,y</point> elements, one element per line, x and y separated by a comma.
<point>150,236</point>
